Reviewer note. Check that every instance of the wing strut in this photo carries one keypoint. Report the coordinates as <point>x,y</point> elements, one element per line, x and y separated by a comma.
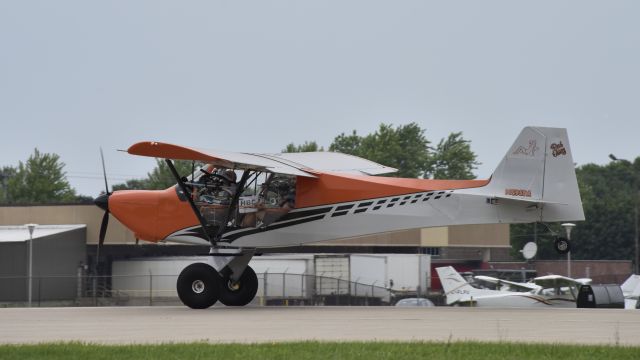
<point>183,187</point>
<point>234,202</point>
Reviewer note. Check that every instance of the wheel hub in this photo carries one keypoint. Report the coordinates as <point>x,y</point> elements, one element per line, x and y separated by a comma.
<point>233,286</point>
<point>197,286</point>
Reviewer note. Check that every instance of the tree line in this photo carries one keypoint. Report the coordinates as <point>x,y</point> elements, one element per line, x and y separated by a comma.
<point>610,198</point>
<point>39,180</point>
<point>610,193</point>
<point>407,149</point>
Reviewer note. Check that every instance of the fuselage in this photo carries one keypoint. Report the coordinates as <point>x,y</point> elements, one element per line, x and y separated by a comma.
<point>332,206</point>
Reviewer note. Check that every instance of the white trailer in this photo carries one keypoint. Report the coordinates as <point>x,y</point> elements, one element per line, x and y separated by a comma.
<point>284,276</point>
<point>289,276</point>
<point>373,275</point>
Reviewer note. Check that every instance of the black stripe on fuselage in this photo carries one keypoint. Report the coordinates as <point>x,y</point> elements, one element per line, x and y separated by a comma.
<point>319,213</point>
<point>304,213</point>
<point>344,207</point>
<point>240,234</point>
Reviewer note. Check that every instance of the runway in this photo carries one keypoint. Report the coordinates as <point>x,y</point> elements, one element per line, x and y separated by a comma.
<point>125,325</point>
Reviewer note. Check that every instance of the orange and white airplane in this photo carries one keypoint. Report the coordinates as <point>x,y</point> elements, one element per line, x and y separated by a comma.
<point>239,203</point>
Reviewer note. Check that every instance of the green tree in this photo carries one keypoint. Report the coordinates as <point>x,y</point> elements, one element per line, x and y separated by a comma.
<point>404,147</point>
<point>453,159</point>
<point>609,195</point>
<point>133,184</point>
<point>6,173</point>
<point>160,177</point>
<point>407,149</point>
<point>346,144</point>
<point>306,147</point>
<point>41,179</point>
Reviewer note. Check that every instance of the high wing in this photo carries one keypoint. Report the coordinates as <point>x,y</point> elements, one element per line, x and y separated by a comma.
<point>551,281</point>
<point>298,164</point>
<point>326,161</point>
<point>512,286</point>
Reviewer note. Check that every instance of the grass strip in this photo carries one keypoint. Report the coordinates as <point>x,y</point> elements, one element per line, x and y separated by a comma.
<point>319,350</point>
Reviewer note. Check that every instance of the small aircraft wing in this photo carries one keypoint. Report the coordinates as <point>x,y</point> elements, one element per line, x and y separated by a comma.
<point>234,160</point>
<point>298,164</point>
<point>513,286</point>
<point>327,161</point>
<point>551,281</point>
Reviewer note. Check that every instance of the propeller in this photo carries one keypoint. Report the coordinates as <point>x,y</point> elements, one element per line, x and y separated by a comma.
<point>102,202</point>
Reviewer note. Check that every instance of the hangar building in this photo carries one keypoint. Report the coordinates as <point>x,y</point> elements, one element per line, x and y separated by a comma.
<point>57,253</point>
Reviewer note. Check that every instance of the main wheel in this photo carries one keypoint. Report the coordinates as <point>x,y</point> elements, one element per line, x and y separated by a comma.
<point>241,292</point>
<point>562,245</point>
<point>199,286</point>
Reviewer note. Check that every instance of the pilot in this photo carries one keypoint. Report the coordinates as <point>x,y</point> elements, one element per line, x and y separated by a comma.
<point>220,191</point>
<point>230,187</point>
<point>289,201</point>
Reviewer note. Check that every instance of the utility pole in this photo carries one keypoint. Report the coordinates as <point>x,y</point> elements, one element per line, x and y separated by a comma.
<point>31,228</point>
<point>567,227</point>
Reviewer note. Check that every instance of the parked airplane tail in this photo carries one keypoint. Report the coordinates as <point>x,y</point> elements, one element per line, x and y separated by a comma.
<point>456,288</point>
<point>537,170</point>
<point>631,286</point>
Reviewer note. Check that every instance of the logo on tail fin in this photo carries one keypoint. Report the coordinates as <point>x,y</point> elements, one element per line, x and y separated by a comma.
<point>558,149</point>
<point>529,151</point>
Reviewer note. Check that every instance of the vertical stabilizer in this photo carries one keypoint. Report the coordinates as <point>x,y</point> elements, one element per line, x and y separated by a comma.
<point>455,287</point>
<point>539,169</point>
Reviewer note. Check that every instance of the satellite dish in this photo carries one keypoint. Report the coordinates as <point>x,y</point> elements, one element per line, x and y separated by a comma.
<point>529,250</point>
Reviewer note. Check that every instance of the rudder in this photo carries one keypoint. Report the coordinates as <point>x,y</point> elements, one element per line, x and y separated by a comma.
<point>538,168</point>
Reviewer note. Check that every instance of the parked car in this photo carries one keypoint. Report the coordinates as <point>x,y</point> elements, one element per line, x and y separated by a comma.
<point>415,302</point>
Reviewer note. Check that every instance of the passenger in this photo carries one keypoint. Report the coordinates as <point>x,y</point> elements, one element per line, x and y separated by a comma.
<point>264,216</point>
<point>289,201</point>
<point>230,187</point>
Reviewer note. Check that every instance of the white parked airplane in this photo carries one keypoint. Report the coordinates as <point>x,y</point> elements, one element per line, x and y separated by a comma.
<point>545,291</point>
<point>631,291</point>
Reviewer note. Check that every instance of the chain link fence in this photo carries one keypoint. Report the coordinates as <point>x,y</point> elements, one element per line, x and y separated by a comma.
<point>150,290</point>
<point>274,289</point>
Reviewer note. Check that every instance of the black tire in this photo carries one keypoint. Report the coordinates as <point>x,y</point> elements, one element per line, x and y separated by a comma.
<point>242,292</point>
<point>199,286</point>
<point>562,245</point>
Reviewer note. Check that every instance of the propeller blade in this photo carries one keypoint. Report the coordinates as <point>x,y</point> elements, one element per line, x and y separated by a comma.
<point>104,172</point>
<point>103,232</point>
<point>103,228</point>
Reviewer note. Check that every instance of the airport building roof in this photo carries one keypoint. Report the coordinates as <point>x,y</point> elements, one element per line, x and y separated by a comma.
<point>20,233</point>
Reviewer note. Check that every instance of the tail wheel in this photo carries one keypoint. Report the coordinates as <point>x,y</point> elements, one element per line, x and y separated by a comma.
<point>241,292</point>
<point>199,286</point>
<point>562,245</point>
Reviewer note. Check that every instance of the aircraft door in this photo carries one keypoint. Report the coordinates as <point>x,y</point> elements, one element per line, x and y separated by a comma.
<point>275,197</point>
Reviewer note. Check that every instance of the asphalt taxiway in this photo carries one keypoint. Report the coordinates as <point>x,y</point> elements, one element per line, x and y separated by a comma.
<point>124,325</point>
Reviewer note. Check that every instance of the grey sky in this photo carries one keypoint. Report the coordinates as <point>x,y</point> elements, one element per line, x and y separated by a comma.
<point>256,75</point>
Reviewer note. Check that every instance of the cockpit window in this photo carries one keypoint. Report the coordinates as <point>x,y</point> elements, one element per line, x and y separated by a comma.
<point>265,197</point>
